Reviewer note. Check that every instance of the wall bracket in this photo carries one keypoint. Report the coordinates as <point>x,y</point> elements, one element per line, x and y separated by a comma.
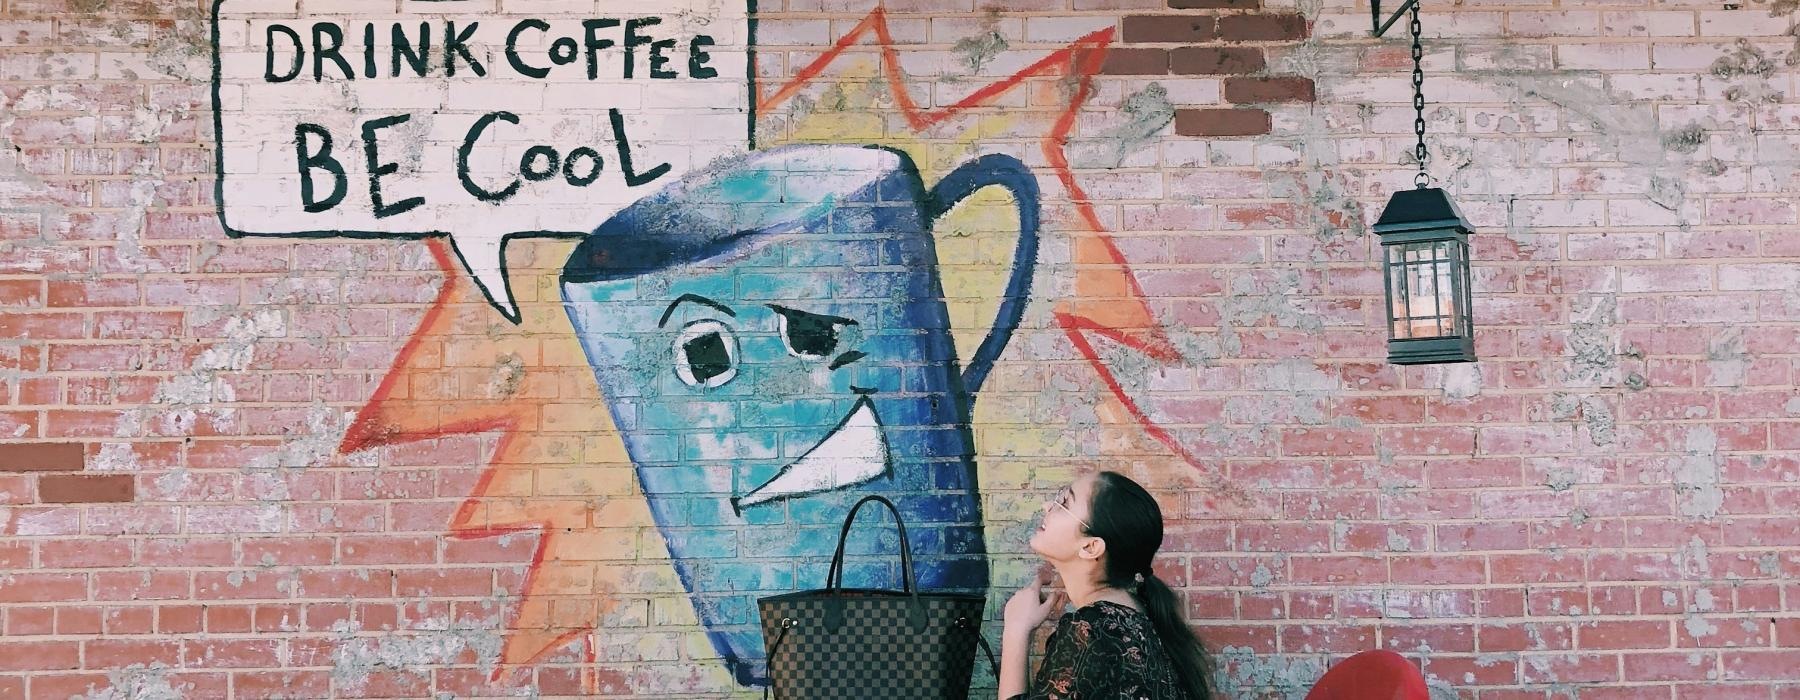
<point>1381,27</point>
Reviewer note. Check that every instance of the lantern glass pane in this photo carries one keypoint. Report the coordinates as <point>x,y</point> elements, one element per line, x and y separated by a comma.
<point>1424,290</point>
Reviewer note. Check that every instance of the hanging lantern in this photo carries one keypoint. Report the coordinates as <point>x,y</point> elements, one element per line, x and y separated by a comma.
<point>1425,249</point>
<point>1425,260</point>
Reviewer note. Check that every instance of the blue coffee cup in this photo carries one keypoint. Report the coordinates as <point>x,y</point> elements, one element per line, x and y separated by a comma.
<point>771,337</point>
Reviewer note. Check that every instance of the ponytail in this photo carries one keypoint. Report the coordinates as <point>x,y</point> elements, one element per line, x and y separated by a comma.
<point>1130,521</point>
<point>1185,652</point>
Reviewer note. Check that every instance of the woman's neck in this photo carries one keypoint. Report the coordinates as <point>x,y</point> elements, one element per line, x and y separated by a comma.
<point>1083,589</point>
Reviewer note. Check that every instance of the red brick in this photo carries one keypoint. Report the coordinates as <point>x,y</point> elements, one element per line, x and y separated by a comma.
<point>103,292</point>
<point>15,554</point>
<point>278,618</point>
<point>141,584</point>
<point>1723,631</point>
<point>1570,668</point>
<point>130,620</point>
<point>1136,62</point>
<point>77,554</point>
<point>234,653</point>
<point>1776,665</point>
<point>180,619</point>
<point>1263,90</point>
<point>1524,636</point>
<point>39,656</point>
<point>1182,29</point>
<point>1666,666</point>
<point>1437,640</point>
<point>237,585</point>
<point>67,685</point>
<point>460,581</point>
<point>29,621</point>
<point>1215,4</point>
<point>80,620</point>
<point>86,488</point>
<point>1221,122</point>
<point>105,654</point>
<point>43,456</point>
<point>1623,634</point>
<point>1210,60</point>
<point>1438,570</point>
<point>28,587</point>
<point>1342,570</point>
<point>1335,639</point>
<point>1535,568</point>
<point>272,685</point>
<point>230,619</point>
<point>354,583</point>
<point>132,520</point>
<point>388,550</point>
<point>15,293</point>
<point>43,325</point>
<point>1262,27</point>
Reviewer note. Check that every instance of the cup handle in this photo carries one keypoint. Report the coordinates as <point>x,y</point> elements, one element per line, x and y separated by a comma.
<point>1004,171</point>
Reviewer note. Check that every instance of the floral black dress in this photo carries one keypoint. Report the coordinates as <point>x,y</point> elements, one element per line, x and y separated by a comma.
<point>1105,651</point>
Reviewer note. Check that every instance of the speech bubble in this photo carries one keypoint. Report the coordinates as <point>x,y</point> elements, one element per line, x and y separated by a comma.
<point>478,120</point>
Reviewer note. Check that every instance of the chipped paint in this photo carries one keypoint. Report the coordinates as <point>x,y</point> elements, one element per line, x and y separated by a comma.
<point>135,682</point>
<point>428,642</point>
<point>1696,475</point>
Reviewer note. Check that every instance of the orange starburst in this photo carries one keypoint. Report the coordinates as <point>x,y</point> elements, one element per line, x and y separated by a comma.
<point>462,372</point>
<point>1108,300</point>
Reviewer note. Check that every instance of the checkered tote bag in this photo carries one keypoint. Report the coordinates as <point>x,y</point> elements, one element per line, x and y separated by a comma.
<point>837,643</point>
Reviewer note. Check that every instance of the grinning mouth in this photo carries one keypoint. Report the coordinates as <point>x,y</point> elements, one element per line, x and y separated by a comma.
<point>853,453</point>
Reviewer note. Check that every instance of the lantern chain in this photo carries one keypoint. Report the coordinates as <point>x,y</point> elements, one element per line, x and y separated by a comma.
<point>1418,83</point>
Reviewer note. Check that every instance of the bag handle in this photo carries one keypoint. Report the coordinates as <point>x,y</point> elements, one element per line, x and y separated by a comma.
<point>788,623</point>
<point>834,579</point>
<point>981,639</point>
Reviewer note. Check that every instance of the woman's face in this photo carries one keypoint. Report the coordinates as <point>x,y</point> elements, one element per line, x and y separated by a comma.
<point>1062,529</point>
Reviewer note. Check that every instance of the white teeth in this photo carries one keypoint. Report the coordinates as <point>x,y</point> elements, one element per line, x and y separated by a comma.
<point>854,453</point>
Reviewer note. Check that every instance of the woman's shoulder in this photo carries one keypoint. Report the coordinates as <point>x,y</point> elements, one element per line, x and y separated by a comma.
<point>1107,618</point>
<point>1106,609</point>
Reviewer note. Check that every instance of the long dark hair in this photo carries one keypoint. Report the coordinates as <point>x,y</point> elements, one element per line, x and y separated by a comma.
<point>1128,519</point>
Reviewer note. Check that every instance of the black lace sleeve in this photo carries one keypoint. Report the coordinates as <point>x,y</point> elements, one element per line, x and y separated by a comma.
<point>1098,653</point>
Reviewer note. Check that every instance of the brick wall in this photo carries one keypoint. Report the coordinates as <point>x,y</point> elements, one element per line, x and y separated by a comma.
<point>310,467</point>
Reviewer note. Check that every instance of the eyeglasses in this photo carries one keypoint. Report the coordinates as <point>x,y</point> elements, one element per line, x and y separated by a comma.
<point>1062,498</point>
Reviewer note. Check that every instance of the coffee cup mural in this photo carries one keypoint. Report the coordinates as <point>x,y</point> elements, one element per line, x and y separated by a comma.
<point>771,337</point>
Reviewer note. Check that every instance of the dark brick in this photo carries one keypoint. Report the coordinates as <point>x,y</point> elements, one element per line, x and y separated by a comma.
<point>1221,122</point>
<point>1186,29</point>
<point>1256,90</point>
<point>86,488</point>
<point>1136,62</point>
<point>1262,27</point>
<point>1206,60</point>
<point>43,457</point>
<point>1215,4</point>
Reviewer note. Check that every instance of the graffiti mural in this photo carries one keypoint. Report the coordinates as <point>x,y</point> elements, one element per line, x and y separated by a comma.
<point>698,356</point>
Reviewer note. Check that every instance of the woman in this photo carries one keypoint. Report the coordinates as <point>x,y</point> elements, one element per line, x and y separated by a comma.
<point>1126,638</point>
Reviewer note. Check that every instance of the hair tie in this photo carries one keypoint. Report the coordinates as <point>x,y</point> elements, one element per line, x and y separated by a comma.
<point>1139,577</point>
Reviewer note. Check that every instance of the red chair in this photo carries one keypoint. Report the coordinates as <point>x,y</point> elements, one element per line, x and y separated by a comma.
<point>1372,675</point>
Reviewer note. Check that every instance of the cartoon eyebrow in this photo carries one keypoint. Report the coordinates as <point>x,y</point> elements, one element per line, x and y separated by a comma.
<point>696,299</point>
<point>834,320</point>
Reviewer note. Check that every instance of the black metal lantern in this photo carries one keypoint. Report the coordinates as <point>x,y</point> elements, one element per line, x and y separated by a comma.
<point>1425,260</point>
<point>1424,249</point>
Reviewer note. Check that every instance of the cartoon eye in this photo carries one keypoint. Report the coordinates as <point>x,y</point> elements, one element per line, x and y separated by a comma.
<point>809,335</point>
<point>706,354</point>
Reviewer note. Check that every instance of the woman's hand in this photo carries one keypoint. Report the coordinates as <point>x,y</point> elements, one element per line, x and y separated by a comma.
<point>1028,608</point>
